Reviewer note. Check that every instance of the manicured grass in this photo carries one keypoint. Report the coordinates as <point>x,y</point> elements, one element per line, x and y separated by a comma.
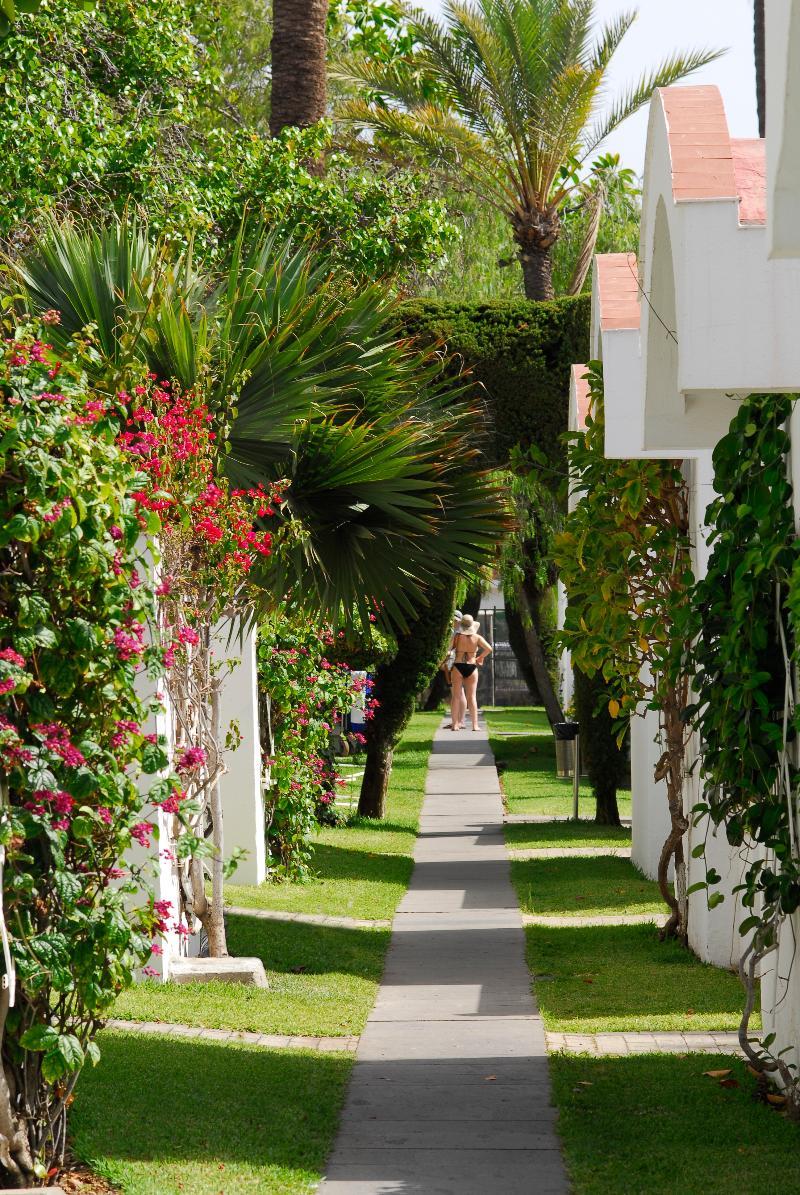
<point>362,869</point>
<point>160,1116</point>
<point>584,886</point>
<point>322,980</point>
<point>613,978</point>
<point>565,834</point>
<point>652,1125</point>
<point>526,762</point>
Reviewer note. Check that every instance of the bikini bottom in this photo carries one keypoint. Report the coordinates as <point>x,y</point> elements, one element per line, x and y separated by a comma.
<point>466,669</point>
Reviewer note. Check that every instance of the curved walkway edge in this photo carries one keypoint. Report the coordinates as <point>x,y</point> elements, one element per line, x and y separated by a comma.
<point>450,1091</point>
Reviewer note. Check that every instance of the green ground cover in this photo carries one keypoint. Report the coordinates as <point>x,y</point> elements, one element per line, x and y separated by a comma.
<point>565,834</point>
<point>362,869</point>
<point>322,981</point>
<point>611,978</point>
<point>655,1125</point>
<point>584,886</point>
<point>202,1118</point>
<point>525,754</point>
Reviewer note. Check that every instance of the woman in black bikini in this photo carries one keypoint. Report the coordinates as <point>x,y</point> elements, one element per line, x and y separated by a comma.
<point>470,649</point>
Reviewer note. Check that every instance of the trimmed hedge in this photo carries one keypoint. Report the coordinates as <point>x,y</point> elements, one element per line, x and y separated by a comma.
<point>520,353</point>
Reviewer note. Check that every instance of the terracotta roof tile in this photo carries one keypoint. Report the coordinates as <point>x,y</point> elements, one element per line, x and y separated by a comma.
<point>581,384</point>
<point>699,142</point>
<point>750,168</point>
<point>618,290</point>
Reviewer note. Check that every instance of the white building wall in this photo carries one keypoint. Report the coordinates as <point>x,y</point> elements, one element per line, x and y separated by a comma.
<point>780,972</point>
<point>713,933</point>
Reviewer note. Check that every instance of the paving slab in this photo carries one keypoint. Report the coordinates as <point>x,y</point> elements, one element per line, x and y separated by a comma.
<point>450,1092</point>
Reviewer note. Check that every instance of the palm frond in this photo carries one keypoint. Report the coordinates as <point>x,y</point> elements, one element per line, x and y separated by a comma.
<point>670,71</point>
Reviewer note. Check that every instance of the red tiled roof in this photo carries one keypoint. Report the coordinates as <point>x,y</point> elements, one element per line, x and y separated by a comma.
<point>581,384</point>
<point>706,162</point>
<point>750,168</point>
<point>618,290</point>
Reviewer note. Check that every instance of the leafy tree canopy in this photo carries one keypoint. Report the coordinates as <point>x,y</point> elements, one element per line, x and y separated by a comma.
<point>117,104</point>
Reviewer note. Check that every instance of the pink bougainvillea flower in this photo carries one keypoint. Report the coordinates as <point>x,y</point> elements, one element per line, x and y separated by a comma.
<point>191,759</point>
<point>141,832</point>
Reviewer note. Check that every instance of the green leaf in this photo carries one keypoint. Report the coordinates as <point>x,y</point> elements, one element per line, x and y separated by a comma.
<point>39,1037</point>
<point>154,758</point>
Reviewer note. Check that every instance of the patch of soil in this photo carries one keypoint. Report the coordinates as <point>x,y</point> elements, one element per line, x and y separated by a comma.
<point>79,1179</point>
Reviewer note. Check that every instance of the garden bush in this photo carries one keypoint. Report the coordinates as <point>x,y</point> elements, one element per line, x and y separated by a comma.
<point>519,355</point>
<point>73,631</point>
<point>303,695</point>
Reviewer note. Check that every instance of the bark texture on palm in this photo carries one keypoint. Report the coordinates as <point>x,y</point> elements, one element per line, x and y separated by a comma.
<point>299,88</point>
<point>535,233</point>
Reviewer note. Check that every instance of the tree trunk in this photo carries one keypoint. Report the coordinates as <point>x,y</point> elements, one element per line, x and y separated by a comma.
<point>605,761</point>
<point>298,64</point>
<point>606,810</point>
<point>670,769</point>
<point>16,1159</point>
<point>212,913</point>
<point>372,800</point>
<point>537,274</point>
<point>541,672</point>
<point>535,234</point>
<point>761,69</point>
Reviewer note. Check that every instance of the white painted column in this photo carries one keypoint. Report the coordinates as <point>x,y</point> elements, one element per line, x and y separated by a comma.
<point>650,819</point>
<point>158,861</point>
<point>242,797</point>
<point>713,933</point>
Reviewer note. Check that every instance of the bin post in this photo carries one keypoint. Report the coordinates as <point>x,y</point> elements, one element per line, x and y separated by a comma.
<point>576,775</point>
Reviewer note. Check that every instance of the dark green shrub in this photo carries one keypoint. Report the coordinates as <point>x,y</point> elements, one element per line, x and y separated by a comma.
<point>520,353</point>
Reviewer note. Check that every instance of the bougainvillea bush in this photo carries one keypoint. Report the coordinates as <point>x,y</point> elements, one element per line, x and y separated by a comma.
<point>211,535</point>
<point>73,635</point>
<point>303,695</point>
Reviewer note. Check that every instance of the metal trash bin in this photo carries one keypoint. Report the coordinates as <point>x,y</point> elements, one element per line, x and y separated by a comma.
<point>565,734</point>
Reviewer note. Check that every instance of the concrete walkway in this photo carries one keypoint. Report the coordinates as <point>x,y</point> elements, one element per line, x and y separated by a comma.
<point>450,1091</point>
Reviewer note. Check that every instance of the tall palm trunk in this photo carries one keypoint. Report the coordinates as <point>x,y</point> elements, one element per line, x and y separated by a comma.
<point>298,63</point>
<point>526,604</point>
<point>536,233</point>
<point>761,70</point>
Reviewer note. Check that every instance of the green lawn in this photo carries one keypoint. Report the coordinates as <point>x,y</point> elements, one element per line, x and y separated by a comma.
<point>565,834</point>
<point>609,979</point>
<point>362,868</point>
<point>322,983</point>
<point>526,761</point>
<point>652,1125</point>
<point>160,1116</point>
<point>584,886</point>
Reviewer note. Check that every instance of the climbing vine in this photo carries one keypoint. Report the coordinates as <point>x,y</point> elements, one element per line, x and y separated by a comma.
<point>624,559</point>
<point>743,623</point>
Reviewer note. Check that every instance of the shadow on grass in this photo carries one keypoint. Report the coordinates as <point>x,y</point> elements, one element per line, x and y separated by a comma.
<point>285,946</point>
<point>160,1116</point>
<point>657,1124</point>
<point>612,978</point>
<point>341,863</point>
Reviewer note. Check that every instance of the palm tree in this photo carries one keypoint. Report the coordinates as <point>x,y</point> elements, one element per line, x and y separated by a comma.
<point>518,106</point>
<point>761,77</point>
<point>320,389</point>
<point>298,52</point>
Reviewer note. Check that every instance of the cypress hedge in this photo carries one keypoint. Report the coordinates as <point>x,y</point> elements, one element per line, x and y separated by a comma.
<point>519,354</point>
